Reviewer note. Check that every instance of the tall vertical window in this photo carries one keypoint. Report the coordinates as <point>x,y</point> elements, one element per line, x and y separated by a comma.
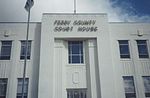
<point>124,49</point>
<point>23,50</point>
<point>129,87</point>
<point>142,48</point>
<point>3,87</point>
<point>76,93</point>
<point>146,80</point>
<point>75,49</point>
<point>5,50</point>
<point>19,87</point>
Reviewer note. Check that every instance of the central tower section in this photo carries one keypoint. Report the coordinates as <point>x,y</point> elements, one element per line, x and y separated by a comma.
<point>71,48</point>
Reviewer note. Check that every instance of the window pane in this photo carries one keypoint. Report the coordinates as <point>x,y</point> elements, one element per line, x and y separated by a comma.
<point>147,95</point>
<point>142,49</point>
<point>130,95</point>
<point>124,49</point>
<point>23,50</point>
<point>3,87</point>
<point>25,96</point>
<point>6,43</point>
<point>146,80</point>
<point>75,59</point>
<point>76,93</point>
<point>123,41</point>
<point>125,56</point>
<point>19,87</point>
<point>75,49</point>
<point>141,41</point>
<point>129,84</point>
<point>6,50</point>
<point>129,87</point>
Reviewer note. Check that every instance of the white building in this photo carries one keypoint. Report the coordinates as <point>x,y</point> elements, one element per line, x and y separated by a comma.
<point>76,56</point>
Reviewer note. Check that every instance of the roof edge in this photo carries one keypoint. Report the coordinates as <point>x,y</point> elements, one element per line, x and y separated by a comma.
<point>129,22</point>
<point>74,13</point>
<point>22,22</point>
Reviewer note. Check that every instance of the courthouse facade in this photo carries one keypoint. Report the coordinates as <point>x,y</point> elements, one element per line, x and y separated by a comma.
<point>76,56</point>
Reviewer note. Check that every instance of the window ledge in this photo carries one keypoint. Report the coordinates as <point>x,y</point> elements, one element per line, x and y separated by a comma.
<point>128,59</point>
<point>5,60</point>
<point>76,64</point>
<point>143,59</point>
<point>23,60</point>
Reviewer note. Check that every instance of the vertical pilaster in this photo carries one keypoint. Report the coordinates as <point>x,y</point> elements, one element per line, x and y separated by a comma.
<point>93,87</point>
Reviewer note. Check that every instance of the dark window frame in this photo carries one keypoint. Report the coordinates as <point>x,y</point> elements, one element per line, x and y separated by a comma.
<point>19,85</point>
<point>142,47</point>
<point>5,82</point>
<point>77,93</point>
<point>130,91</point>
<point>75,52</point>
<point>124,47</point>
<point>22,51</point>
<point>147,93</point>
<point>6,48</point>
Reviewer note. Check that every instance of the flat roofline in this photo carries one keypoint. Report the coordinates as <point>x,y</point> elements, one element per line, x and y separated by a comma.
<point>74,13</point>
<point>70,14</point>
<point>22,22</point>
<point>129,22</point>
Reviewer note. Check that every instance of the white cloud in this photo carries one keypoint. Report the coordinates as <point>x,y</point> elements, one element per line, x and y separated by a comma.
<point>13,10</point>
<point>127,12</point>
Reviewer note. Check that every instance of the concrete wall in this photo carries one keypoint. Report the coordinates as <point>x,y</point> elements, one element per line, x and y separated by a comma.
<point>56,74</point>
<point>13,68</point>
<point>134,66</point>
<point>49,72</point>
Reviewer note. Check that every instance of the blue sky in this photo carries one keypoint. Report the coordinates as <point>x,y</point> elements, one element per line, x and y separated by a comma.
<point>117,10</point>
<point>137,8</point>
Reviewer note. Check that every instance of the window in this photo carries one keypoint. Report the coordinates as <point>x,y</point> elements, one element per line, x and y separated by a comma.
<point>23,50</point>
<point>146,80</point>
<point>75,49</point>
<point>19,88</point>
<point>124,49</point>
<point>129,87</point>
<point>3,87</point>
<point>76,93</point>
<point>5,50</point>
<point>142,48</point>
